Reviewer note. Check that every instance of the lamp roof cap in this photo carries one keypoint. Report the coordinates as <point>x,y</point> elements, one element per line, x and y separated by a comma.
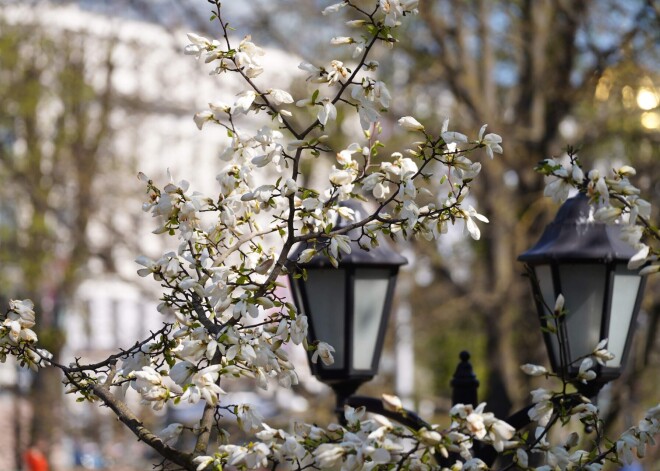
<point>574,236</point>
<point>381,256</point>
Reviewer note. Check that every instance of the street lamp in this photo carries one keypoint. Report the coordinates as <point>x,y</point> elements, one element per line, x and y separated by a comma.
<point>347,307</point>
<point>586,262</point>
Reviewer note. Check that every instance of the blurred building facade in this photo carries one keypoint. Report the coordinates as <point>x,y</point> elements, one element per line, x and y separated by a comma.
<point>155,91</point>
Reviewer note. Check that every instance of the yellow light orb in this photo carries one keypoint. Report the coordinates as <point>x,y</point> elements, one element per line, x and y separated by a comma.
<point>647,98</point>
<point>651,120</point>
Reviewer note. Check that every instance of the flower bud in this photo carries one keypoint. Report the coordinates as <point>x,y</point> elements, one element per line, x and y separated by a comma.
<point>627,171</point>
<point>410,124</point>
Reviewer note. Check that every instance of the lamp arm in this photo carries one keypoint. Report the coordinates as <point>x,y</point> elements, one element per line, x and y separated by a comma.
<point>518,420</point>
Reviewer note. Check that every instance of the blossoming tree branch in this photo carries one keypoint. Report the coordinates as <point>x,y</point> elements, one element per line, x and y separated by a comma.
<point>224,314</point>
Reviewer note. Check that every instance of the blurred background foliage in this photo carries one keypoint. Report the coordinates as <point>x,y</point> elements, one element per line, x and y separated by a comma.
<point>55,144</point>
<point>543,74</point>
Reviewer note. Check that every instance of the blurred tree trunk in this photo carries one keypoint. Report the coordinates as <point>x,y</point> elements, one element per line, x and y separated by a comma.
<point>54,126</point>
<point>539,42</point>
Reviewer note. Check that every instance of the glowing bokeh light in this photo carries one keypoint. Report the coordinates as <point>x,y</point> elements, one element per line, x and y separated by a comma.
<point>647,98</point>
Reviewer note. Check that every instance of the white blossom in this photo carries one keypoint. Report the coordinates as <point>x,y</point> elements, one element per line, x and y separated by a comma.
<point>607,214</point>
<point>337,72</point>
<point>182,372</point>
<point>249,418</point>
<point>543,407</point>
<point>328,455</point>
<point>533,370</point>
<point>521,458</point>
<point>410,124</point>
<point>559,304</point>
<point>340,176</point>
<point>202,117</point>
<point>631,234</point>
<point>170,434</point>
<point>278,96</point>
<point>639,258</point>
<point>247,58</point>
<point>585,373</point>
<point>149,383</point>
<point>198,44</point>
<point>334,8</point>
<point>470,226</point>
<point>453,137</point>
<point>558,190</point>
<point>203,462</point>
<point>324,352</point>
<point>602,355</point>
<point>650,269</point>
<point>391,402</point>
<point>353,415</point>
<point>577,174</point>
<point>327,113</point>
<point>340,40</point>
<point>299,329</point>
<point>490,140</point>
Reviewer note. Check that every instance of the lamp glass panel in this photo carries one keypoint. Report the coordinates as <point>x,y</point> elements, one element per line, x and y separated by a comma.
<point>326,293</point>
<point>583,287</point>
<point>369,301</point>
<point>544,275</point>
<point>624,296</point>
<point>546,285</point>
<point>297,296</point>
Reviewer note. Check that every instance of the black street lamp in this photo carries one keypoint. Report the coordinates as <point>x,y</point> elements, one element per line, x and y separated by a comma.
<point>586,262</point>
<point>347,307</point>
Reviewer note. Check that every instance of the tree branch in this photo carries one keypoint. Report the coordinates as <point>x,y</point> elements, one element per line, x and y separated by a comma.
<point>125,415</point>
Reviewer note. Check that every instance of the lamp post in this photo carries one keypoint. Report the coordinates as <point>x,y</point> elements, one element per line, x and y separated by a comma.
<point>586,262</point>
<point>347,307</point>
